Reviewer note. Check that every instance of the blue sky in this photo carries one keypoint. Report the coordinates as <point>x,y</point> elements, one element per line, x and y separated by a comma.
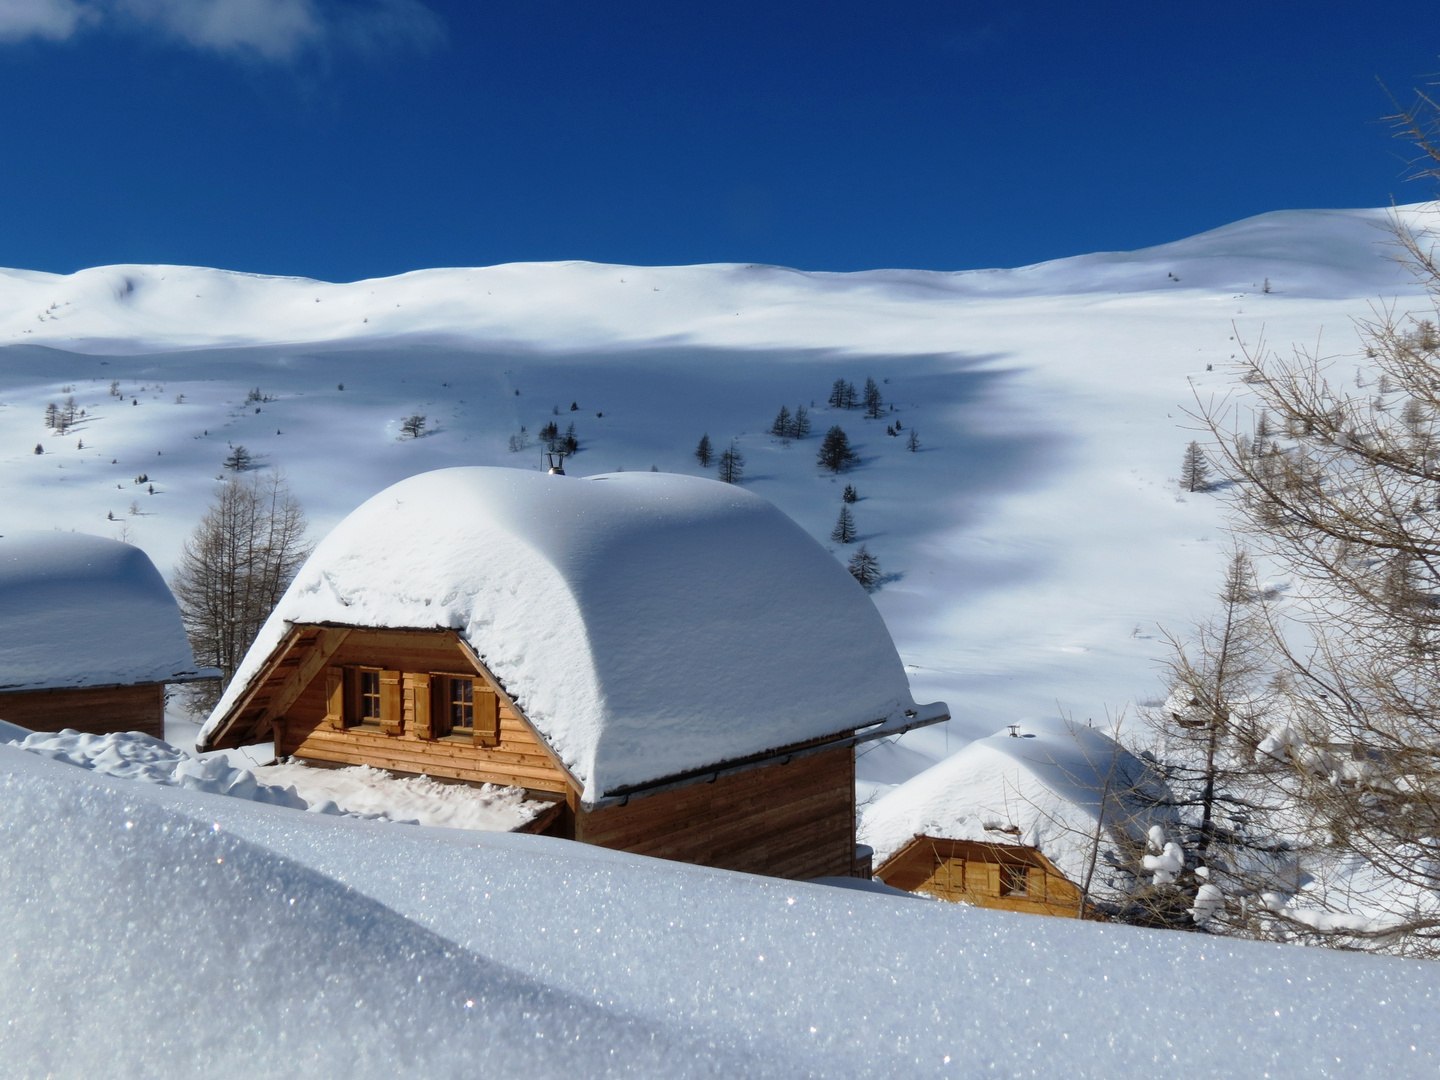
<point>351,138</point>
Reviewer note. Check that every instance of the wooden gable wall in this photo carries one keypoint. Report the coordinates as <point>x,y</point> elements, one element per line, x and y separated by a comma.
<point>975,873</point>
<point>519,758</point>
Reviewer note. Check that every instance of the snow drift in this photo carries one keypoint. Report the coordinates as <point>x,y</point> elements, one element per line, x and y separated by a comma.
<point>154,931</point>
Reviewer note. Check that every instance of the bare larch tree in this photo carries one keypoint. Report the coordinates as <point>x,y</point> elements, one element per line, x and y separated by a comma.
<point>232,571</point>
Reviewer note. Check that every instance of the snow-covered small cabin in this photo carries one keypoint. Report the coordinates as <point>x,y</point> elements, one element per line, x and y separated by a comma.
<point>672,661</point>
<point>1023,820</point>
<point>89,635</point>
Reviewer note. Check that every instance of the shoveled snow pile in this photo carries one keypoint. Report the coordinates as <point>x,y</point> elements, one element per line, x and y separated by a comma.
<point>371,792</point>
<point>353,792</point>
<point>155,931</point>
<point>1052,785</point>
<point>648,624</point>
<point>136,756</point>
<point>79,610</point>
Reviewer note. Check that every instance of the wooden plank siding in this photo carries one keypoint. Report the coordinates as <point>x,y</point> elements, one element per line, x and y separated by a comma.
<point>518,758</point>
<point>976,873</point>
<point>93,710</point>
<point>793,820</point>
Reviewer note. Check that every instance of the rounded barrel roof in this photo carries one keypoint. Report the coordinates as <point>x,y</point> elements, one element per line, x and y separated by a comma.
<point>1051,786</point>
<point>648,624</point>
<point>78,610</point>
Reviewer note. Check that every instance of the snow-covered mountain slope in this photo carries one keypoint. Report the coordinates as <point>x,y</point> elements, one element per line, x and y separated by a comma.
<point>155,931</point>
<point>1032,545</point>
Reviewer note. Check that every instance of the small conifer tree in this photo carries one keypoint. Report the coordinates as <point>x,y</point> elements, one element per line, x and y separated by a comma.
<point>800,425</point>
<point>844,531</point>
<point>913,442</point>
<point>1194,469</point>
<point>835,452</point>
<point>732,464</point>
<point>837,394</point>
<point>704,453</point>
<point>865,568</point>
<point>239,460</point>
<point>849,494</point>
<point>783,424</point>
<point>873,402</point>
<point>412,427</point>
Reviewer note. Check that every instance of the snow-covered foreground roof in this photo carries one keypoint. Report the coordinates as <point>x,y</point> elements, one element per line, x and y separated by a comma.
<point>285,943</point>
<point>1043,788</point>
<point>647,623</point>
<point>79,610</point>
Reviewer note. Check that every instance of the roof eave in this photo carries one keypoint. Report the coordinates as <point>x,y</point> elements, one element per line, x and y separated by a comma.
<point>897,724</point>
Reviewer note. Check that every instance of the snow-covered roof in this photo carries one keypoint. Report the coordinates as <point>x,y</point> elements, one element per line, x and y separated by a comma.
<point>648,624</point>
<point>79,610</point>
<point>1042,788</point>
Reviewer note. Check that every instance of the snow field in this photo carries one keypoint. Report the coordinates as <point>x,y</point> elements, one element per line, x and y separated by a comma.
<point>1035,545</point>
<point>243,939</point>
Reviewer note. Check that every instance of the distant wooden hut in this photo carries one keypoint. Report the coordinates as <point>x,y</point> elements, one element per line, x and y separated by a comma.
<point>673,662</point>
<point>89,635</point>
<point>1045,818</point>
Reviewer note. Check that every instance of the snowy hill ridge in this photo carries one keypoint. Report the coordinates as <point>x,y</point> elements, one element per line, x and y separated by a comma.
<point>135,308</point>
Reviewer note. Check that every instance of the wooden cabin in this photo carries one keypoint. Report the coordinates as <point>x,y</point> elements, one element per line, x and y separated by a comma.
<point>670,661</point>
<point>1025,820</point>
<point>90,635</point>
<point>1012,877</point>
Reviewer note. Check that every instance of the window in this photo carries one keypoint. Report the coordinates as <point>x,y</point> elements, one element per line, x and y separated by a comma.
<point>369,696</point>
<point>465,707</point>
<point>462,706</point>
<point>1014,879</point>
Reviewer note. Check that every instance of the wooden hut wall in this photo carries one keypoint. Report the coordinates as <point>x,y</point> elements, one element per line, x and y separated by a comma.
<point>93,710</point>
<point>981,874</point>
<point>517,757</point>
<point>795,820</point>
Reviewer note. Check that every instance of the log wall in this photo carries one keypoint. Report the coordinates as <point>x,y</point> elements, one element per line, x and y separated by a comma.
<point>972,872</point>
<point>94,710</point>
<point>793,821</point>
<point>517,758</point>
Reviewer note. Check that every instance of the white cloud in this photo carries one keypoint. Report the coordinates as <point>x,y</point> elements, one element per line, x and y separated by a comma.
<point>275,30</point>
<point>53,20</point>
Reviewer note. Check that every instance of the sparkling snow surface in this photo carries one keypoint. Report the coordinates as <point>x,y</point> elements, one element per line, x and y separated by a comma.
<point>647,623</point>
<point>152,931</point>
<point>80,610</point>
<point>1044,787</point>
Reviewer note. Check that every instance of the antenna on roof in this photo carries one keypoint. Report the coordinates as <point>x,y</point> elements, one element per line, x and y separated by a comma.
<point>1014,731</point>
<point>555,463</point>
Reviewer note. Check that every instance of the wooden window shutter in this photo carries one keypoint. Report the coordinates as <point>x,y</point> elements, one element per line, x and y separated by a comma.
<point>487,715</point>
<point>417,705</point>
<point>391,709</point>
<point>335,697</point>
<point>439,707</point>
